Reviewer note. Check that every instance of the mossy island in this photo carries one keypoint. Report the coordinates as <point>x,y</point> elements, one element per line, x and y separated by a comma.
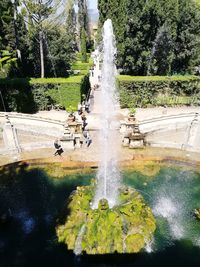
<point>126,228</point>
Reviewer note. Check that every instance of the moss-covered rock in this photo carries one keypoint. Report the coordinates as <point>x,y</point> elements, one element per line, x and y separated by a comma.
<point>125,228</point>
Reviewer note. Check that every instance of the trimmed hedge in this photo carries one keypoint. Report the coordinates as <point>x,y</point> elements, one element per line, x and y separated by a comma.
<point>147,91</point>
<point>31,95</point>
<point>83,68</point>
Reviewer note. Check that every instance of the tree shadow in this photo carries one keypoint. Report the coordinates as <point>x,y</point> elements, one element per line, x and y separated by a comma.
<point>34,201</point>
<point>17,95</point>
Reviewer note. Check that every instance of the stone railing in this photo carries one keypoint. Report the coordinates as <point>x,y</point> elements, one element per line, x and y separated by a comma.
<point>179,131</point>
<point>159,122</point>
<point>16,126</point>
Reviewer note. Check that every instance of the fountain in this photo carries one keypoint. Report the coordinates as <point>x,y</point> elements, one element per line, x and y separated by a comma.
<point>106,217</point>
<point>108,176</point>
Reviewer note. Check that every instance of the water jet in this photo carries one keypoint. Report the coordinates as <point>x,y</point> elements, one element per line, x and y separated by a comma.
<point>118,220</point>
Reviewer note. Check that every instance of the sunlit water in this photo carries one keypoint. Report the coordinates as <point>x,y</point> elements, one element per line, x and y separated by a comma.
<point>108,176</point>
<point>35,201</point>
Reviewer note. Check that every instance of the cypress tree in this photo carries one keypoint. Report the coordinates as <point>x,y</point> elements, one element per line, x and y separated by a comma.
<point>84,31</point>
<point>83,46</point>
<point>7,32</point>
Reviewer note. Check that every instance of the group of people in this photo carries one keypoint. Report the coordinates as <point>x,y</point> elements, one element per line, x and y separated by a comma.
<point>85,132</point>
<point>82,109</point>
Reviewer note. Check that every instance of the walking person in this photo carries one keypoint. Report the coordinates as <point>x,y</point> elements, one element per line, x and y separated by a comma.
<point>87,106</point>
<point>79,109</point>
<point>84,123</point>
<point>88,139</point>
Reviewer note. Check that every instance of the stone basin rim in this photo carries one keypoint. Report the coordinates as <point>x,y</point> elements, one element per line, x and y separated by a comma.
<point>123,164</point>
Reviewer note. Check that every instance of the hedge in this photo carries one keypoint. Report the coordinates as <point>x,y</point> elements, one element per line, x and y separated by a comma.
<point>140,91</point>
<point>31,95</point>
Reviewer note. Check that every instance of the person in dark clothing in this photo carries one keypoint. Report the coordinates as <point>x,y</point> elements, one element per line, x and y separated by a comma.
<point>56,144</point>
<point>58,148</point>
<point>88,140</point>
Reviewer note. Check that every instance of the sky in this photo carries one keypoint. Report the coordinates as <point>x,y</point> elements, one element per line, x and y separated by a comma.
<point>92,4</point>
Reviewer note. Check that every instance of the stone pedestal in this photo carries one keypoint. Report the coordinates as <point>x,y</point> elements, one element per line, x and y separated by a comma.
<point>127,125</point>
<point>75,127</point>
<point>77,138</point>
<point>67,140</point>
<point>132,136</point>
<point>126,141</point>
<point>67,143</point>
<point>136,143</point>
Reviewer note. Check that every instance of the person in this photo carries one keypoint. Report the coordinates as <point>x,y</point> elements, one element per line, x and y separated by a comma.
<point>59,151</point>
<point>83,117</point>
<point>92,72</point>
<point>88,139</point>
<point>84,124</point>
<point>87,106</point>
<point>79,109</point>
<point>99,78</point>
<point>56,144</point>
<point>58,148</point>
<point>85,132</point>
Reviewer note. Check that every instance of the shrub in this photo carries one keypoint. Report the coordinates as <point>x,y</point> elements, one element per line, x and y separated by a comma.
<point>31,95</point>
<point>144,91</point>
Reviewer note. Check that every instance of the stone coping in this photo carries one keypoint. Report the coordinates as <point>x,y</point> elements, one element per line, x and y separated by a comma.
<point>137,157</point>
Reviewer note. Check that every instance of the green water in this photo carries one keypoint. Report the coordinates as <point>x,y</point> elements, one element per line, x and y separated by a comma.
<point>35,200</point>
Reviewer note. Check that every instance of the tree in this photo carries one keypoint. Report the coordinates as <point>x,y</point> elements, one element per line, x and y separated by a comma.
<point>141,27</point>
<point>83,46</point>
<point>71,26</point>
<point>38,12</point>
<point>8,63</point>
<point>116,11</point>
<point>187,44</point>
<point>162,53</point>
<point>60,52</point>
<point>84,31</point>
<point>7,34</point>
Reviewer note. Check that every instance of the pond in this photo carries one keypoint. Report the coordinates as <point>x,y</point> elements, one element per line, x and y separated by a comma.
<point>31,201</point>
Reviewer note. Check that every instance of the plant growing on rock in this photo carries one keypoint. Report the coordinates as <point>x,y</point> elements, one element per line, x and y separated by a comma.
<point>123,229</point>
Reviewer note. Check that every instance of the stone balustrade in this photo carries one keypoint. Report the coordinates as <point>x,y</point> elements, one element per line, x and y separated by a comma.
<point>179,131</point>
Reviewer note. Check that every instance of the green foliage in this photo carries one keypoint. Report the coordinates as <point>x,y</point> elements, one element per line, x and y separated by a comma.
<point>29,26</point>
<point>8,62</point>
<point>147,91</point>
<point>66,95</point>
<point>7,34</point>
<point>115,10</point>
<point>59,57</point>
<point>31,95</point>
<point>83,46</point>
<point>84,27</point>
<point>122,229</point>
<point>81,66</point>
<point>156,36</point>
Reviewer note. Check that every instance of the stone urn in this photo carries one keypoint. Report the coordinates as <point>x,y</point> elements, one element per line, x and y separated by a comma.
<point>131,118</point>
<point>71,117</point>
